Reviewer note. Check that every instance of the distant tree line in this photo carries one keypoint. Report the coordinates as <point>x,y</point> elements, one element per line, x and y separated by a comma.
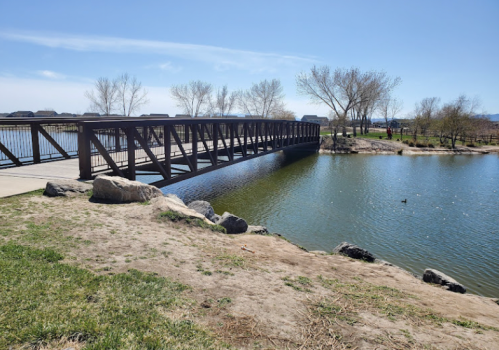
<point>264,100</point>
<point>450,121</point>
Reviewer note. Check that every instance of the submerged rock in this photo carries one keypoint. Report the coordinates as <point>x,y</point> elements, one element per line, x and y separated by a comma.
<point>353,251</point>
<point>118,189</point>
<point>203,208</point>
<point>232,223</point>
<point>65,188</point>
<point>437,277</point>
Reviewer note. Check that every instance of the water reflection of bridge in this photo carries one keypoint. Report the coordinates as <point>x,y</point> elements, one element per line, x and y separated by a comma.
<point>128,147</point>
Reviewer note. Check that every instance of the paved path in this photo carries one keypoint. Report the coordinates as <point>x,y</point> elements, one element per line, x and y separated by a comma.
<point>28,178</point>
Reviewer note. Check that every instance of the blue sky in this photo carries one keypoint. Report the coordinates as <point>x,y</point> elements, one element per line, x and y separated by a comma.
<point>51,52</point>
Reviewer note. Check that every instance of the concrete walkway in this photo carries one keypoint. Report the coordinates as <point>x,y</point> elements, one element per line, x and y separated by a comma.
<point>29,178</point>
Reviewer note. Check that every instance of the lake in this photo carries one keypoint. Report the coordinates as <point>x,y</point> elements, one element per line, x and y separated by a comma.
<point>450,221</point>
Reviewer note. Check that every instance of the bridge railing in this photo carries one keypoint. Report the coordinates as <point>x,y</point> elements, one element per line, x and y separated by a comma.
<point>176,149</point>
<point>28,141</point>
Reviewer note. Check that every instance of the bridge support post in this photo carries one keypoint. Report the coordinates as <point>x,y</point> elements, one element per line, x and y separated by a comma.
<point>35,142</point>
<point>194,157</point>
<point>231,145</point>
<point>130,140</point>
<point>215,144</point>
<point>167,142</point>
<point>84,152</point>
<point>117,142</point>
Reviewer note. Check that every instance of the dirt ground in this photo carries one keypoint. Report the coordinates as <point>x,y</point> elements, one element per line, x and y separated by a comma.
<point>276,297</point>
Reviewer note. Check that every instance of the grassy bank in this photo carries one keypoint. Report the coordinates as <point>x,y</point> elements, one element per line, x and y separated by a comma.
<point>94,276</point>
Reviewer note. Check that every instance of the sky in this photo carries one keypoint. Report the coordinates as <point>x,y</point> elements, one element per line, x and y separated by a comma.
<point>51,52</point>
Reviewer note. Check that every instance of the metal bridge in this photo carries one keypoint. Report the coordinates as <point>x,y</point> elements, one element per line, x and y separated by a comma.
<point>170,150</point>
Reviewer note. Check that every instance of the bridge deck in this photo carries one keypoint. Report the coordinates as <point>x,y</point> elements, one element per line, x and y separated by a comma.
<point>24,179</point>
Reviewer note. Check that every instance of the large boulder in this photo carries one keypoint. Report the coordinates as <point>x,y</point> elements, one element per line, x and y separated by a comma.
<point>204,208</point>
<point>353,251</point>
<point>118,189</point>
<point>175,198</point>
<point>65,188</point>
<point>437,277</point>
<point>164,204</point>
<point>232,223</point>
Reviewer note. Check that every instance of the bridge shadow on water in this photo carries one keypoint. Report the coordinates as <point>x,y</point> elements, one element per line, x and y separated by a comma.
<point>231,178</point>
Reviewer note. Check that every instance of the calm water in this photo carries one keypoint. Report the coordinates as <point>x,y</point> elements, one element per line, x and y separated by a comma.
<point>450,221</point>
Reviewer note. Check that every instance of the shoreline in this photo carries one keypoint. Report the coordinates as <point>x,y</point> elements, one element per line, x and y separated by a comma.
<point>357,145</point>
<point>280,296</point>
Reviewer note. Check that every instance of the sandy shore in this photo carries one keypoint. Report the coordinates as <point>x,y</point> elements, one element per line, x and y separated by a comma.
<point>281,297</point>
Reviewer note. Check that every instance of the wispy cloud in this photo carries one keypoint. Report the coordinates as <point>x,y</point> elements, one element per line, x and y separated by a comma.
<point>219,57</point>
<point>50,74</point>
<point>169,67</point>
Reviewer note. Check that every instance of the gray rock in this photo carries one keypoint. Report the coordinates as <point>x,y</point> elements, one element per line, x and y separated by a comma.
<point>175,198</point>
<point>65,188</point>
<point>216,218</point>
<point>437,277</point>
<point>232,223</point>
<point>259,230</point>
<point>203,208</point>
<point>353,251</point>
<point>118,189</point>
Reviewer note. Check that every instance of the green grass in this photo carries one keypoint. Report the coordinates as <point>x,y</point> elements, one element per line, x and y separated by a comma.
<point>299,284</point>
<point>177,217</point>
<point>230,260</point>
<point>390,302</point>
<point>43,301</point>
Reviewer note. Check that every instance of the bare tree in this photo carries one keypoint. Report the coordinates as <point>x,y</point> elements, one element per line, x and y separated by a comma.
<point>131,94</point>
<point>456,117</point>
<point>426,112</point>
<point>263,99</point>
<point>105,96</point>
<point>389,108</point>
<point>345,90</point>
<point>194,98</point>
<point>225,101</point>
<point>284,114</point>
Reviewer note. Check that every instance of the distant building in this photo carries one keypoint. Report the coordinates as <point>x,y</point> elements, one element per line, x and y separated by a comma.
<point>21,114</point>
<point>90,114</point>
<point>46,114</point>
<point>156,115</point>
<point>183,116</point>
<point>322,121</point>
<point>66,115</point>
<point>4,115</point>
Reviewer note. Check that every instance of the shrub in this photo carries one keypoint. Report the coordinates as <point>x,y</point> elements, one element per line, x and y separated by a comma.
<point>431,145</point>
<point>411,143</point>
<point>420,144</point>
<point>470,145</point>
<point>399,152</point>
<point>406,142</point>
